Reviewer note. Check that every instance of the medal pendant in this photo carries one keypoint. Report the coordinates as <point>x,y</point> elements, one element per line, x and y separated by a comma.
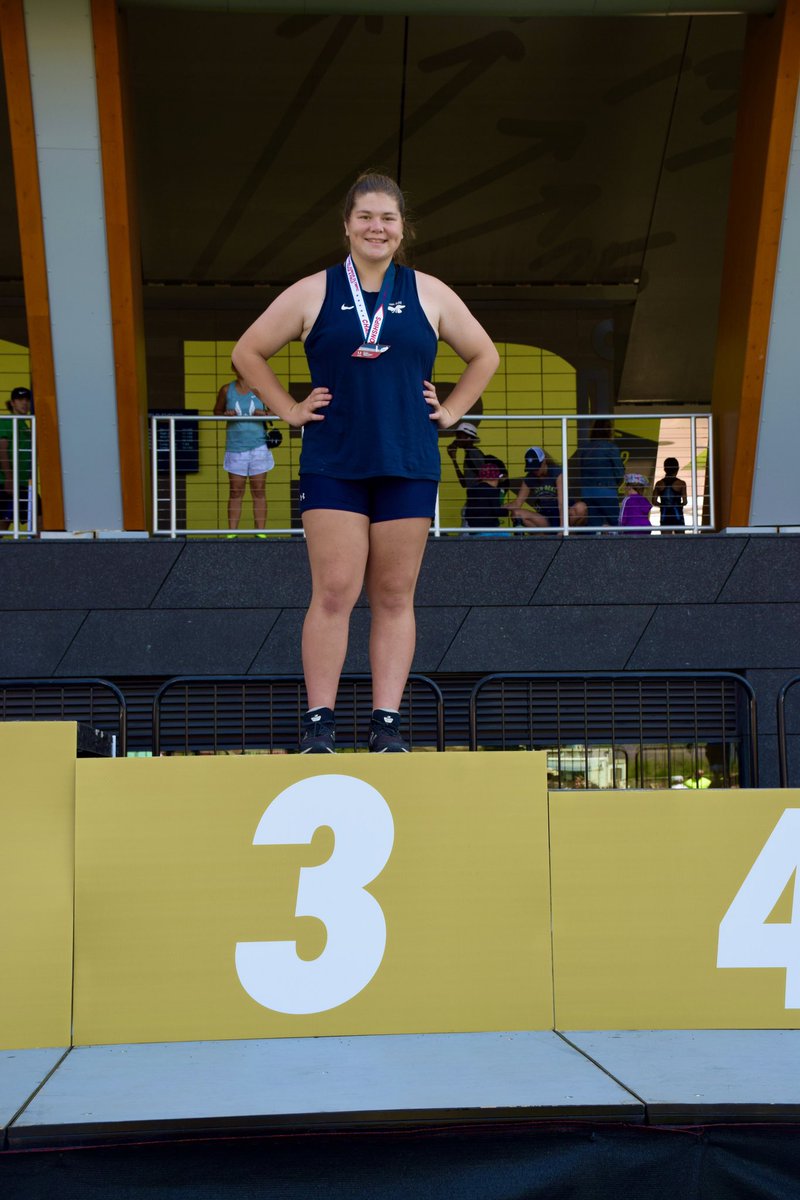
<point>370,350</point>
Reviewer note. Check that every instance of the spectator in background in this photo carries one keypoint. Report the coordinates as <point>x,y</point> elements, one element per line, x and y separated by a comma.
<point>635,507</point>
<point>481,475</point>
<point>669,495</point>
<point>540,500</point>
<point>699,780</point>
<point>601,473</point>
<point>20,405</point>
<point>247,452</point>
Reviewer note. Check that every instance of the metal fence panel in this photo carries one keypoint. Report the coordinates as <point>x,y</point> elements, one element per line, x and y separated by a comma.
<point>250,713</point>
<point>94,702</point>
<point>491,483</point>
<point>622,729</point>
<point>788,750</point>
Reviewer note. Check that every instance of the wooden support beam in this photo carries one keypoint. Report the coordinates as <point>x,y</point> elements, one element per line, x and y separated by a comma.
<point>758,185</point>
<point>124,260</point>
<point>34,270</point>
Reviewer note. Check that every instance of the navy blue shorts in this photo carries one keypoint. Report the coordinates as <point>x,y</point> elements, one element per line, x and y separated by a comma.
<point>383,498</point>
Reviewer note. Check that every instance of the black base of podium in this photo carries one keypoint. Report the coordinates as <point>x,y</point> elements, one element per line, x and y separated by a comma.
<point>493,1161</point>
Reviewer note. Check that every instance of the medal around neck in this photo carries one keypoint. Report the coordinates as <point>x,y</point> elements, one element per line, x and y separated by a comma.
<point>370,347</point>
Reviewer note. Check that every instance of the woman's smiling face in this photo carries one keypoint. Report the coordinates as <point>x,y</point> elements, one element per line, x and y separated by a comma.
<point>374,227</point>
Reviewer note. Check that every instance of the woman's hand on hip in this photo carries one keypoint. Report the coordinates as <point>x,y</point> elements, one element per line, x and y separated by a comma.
<point>438,411</point>
<point>311,408</point>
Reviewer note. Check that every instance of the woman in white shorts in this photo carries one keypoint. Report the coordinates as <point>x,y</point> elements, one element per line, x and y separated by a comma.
<point>247,455</point>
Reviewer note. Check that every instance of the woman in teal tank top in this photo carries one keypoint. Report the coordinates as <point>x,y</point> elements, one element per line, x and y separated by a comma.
<point>247,455</point>
<point>370,460</point>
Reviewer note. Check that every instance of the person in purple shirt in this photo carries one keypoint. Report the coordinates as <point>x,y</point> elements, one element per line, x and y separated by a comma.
<point>635,508</point>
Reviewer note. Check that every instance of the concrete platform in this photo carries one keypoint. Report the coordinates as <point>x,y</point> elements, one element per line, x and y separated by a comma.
<point>22,1073</point>
<point>114,1093</point>
<point>102,1094</point>
<point>703,1076</point>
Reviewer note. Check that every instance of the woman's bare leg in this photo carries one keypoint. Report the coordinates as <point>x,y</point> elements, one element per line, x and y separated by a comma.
<point>338,545</point>
<point>258,495</point>
<point>237,486</point>
<point>532,519</point>
<point>395,556</point>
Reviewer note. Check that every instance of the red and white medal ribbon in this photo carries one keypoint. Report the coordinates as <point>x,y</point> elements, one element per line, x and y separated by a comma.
<point>370,348</point>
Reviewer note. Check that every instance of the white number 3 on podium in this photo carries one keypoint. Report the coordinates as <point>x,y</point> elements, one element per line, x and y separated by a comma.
<point>363,829</point>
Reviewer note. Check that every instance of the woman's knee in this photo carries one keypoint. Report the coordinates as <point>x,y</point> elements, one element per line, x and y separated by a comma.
<point>335,596</point>
<point>393,594</point>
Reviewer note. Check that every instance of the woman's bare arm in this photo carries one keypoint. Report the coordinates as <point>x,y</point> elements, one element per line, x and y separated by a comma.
<point>455,325</point>
<point>289,318</point>
<point>515,506</point>
<point>221,405</point>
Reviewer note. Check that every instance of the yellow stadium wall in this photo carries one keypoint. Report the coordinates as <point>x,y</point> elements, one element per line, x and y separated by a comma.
<point>528,380</point>
<point>15,368</point>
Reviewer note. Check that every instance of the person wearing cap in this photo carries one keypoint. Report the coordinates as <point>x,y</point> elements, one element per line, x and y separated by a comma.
<point>481,476</point>
<point>677,783</point>
<point>19,405</point>
<point>634,512</point>
<point>539,502</point>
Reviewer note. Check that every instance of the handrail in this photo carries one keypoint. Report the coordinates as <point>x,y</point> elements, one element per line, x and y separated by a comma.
<point>783,750</point>
<point>299,683</point>
<point>550,429</point>
<point>585,677</point>
<point>170,420</point>
<point>17,484</point>
<point>53,684</point>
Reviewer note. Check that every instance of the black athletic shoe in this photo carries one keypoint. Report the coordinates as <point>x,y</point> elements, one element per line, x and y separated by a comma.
<point>319,732</point>
<point>384,733</point>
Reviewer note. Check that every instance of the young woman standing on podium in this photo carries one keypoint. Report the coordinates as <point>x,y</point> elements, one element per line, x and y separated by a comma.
<point>370,465</point>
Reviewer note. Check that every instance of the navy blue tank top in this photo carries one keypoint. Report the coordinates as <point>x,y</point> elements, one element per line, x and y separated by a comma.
<point>378,422</point>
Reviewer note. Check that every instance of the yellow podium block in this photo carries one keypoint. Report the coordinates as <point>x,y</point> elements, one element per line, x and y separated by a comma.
<point>250,897</point>
<point>676,909</point>
<point>37,801</point>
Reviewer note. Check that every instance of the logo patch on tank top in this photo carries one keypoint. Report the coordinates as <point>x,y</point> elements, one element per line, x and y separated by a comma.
<point>397,307</point>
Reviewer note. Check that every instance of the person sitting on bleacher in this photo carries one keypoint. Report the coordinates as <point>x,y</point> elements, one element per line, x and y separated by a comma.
<point>540,500</point>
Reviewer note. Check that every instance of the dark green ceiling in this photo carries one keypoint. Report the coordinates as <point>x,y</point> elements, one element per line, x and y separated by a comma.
<point>532,151</point>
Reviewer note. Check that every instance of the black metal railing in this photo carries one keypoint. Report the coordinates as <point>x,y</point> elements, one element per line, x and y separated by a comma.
<point>94,702</point>
<point>783,743</point>
<point>609,729</point>
<point>623,729</point>
<point>195,714</point>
